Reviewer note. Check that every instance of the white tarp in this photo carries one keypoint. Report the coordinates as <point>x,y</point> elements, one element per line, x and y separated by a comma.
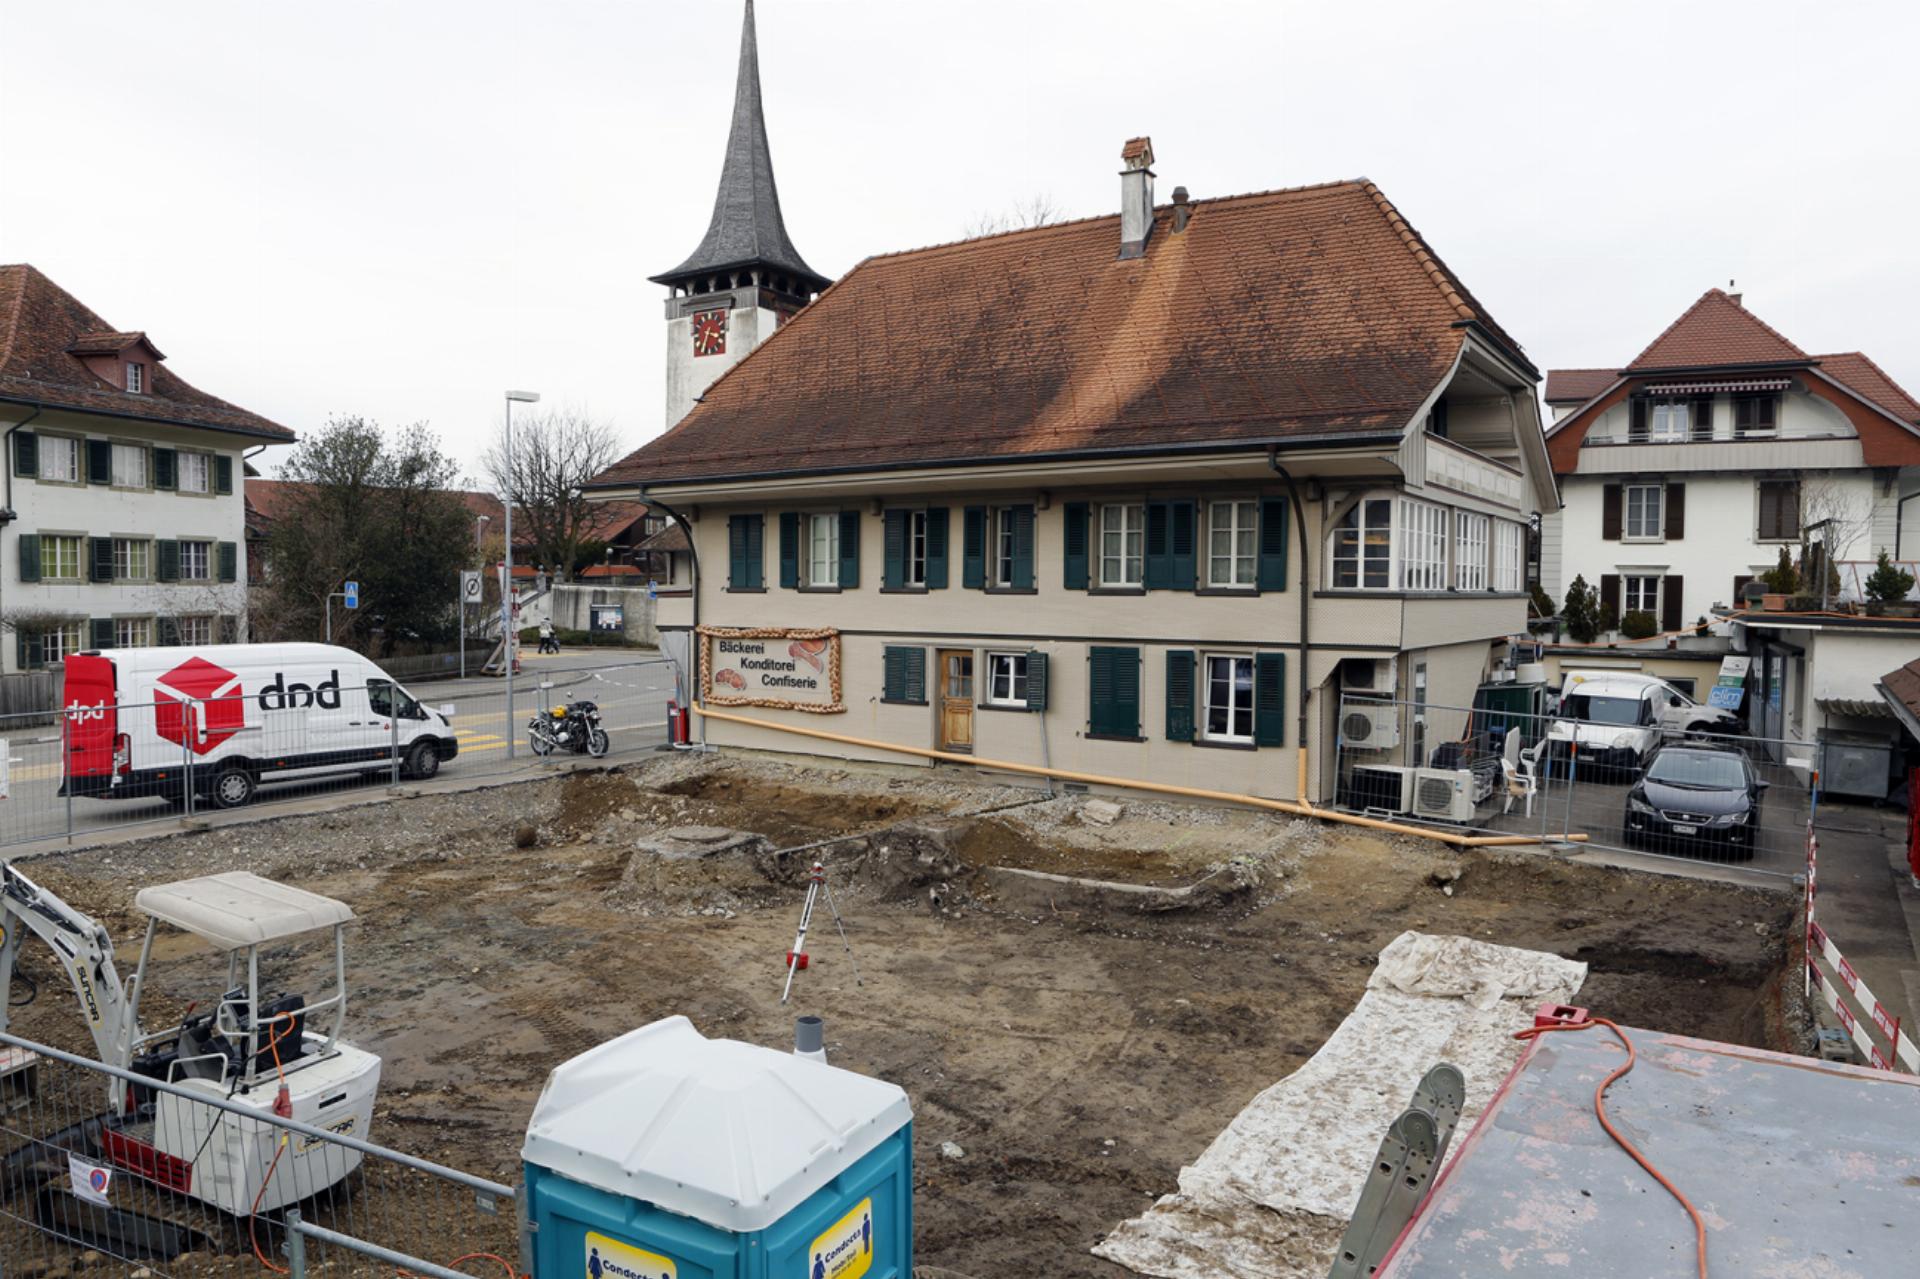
<point>1272,1194</point>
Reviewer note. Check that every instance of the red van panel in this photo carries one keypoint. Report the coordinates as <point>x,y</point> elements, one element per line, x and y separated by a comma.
<point>95,720</point>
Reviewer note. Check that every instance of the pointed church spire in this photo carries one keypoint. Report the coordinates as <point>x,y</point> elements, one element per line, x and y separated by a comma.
<point>747,230</point>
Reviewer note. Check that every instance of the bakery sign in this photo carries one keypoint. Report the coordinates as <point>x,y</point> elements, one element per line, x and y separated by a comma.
<point>771,666</point>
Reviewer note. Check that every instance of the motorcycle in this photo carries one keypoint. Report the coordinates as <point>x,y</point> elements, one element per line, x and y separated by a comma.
<point>574,727</point>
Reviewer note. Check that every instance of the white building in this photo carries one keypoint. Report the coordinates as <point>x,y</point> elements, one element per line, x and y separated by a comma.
<point>1684,473</point>
<point>123,517</point>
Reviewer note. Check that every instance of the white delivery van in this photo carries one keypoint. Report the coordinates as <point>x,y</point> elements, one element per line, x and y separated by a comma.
<point>239,714</point>
<point>1619,717</point>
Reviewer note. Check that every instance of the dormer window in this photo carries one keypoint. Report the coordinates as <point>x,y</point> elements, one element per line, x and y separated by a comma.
<point>136,377</point>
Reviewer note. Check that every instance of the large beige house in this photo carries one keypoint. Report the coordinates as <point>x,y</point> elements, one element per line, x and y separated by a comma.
<point>1137,496</point>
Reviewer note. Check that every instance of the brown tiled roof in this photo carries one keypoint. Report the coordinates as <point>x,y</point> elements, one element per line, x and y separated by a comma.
<point>1577,386</point>
<point>110,343</point>
<point>268,500</point>
<point>40,323</point>
<point>1866,379</point>
<point>670,538</point>
<point>1135,148</point>
<point>1903,685</point>
<point>1314,312</point>
<point>1717,332</point>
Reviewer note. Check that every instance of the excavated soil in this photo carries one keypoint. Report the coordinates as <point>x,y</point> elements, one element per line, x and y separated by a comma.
<point>1077,1045</point>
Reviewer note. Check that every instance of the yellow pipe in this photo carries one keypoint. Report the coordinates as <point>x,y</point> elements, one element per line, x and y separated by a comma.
<point>1161,788</point>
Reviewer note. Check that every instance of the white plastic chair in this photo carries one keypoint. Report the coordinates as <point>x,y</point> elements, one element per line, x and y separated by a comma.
<point>1521,784</point>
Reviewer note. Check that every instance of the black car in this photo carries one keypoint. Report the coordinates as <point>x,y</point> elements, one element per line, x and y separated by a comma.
<point>1692,798</point>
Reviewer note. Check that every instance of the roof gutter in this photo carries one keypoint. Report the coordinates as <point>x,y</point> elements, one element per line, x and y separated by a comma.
<point>7,515</point>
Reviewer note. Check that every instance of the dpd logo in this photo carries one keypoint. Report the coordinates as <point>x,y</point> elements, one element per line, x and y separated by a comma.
<point>222,705</point>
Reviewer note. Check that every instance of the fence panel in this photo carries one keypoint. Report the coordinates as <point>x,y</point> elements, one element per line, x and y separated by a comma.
<point>1650,788</point>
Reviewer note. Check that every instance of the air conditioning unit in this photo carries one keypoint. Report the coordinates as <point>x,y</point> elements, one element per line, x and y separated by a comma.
<point>1368,675</point>
<point>1443,794</point>
<point>1370,727</point>
<point>1380,788</point>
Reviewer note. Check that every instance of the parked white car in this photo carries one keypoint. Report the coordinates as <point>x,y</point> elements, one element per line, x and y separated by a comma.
<point>1618,718</point>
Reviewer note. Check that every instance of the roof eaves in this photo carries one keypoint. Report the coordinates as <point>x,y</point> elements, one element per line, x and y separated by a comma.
<point>272,431</point>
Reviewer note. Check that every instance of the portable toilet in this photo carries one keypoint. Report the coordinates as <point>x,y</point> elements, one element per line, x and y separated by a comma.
<point>667,1155</point>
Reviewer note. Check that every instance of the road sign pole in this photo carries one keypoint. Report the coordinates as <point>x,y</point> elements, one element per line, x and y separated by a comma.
<point>463,637</point>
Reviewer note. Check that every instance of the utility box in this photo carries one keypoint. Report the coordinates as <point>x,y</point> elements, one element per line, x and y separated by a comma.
<point>667,1155</point>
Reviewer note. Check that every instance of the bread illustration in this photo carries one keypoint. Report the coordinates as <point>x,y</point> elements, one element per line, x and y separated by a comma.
<point>732,679</point>
<point>812,652</point>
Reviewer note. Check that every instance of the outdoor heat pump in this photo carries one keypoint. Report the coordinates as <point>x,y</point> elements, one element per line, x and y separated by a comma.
<point>1443,794</point>
<point>1369,726</point>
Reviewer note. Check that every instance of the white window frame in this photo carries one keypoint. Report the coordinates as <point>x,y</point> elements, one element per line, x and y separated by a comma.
<point>57,643</point>
<point>191,631</point>
<point>1124,569</point>
<point>1669,422</point>
<point>197,465</point>
<point>1629,590</point>
<point>1509,557</point>
<point>126,457</point>
<point>1422,545</point>
<point>1008,669</point>
<point>1348,545</point>
<point>1471,533</point>
<point>51,545</point>
<point>133,632</point>
<point>915,567</point>
<point>1235,708</point>
<point>48,447</point>
<point>821,569</point>
<point>1242,556</point>
<point>205,549</point>
<point>128,550</point>
<point>1659,508</point>
<point>136,377</point>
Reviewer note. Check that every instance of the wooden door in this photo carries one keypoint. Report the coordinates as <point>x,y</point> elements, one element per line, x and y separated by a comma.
<point>956,699</point>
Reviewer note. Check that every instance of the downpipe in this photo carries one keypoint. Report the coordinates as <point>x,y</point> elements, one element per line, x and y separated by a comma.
<point>1305,590</point>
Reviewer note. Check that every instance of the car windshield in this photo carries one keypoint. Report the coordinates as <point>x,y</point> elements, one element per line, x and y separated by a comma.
<point>1706,770</point>
<point>1604,710</point>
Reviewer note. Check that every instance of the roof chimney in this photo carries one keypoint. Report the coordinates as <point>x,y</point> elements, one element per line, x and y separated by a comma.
<point>1735,298</point>
<point>1136,197</point>
<point>1181,210</point>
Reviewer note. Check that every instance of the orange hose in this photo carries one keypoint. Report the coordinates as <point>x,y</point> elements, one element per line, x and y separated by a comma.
<point>253,1214</point>
<point>1600,1112</point>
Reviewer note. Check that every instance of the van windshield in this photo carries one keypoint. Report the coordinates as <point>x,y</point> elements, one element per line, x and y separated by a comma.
<point>1607,710</point>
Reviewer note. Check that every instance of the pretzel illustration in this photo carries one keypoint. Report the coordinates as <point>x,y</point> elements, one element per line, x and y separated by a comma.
<point>732,679</point>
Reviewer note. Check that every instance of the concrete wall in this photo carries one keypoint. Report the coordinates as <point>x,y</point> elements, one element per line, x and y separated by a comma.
<point>571,608</point>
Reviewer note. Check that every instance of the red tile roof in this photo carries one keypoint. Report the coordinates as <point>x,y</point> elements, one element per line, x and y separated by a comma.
<point>1717,332</point>
<point>1135,148</point>
<point>1577,386</point>
<point>110,343</point>
<point>42,326</point>
<point>1865,378</point>
<point>1903,685</point>
<point>1299,314</point>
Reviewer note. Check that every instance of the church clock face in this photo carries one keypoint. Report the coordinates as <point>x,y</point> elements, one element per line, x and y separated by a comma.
<point>710,333</point>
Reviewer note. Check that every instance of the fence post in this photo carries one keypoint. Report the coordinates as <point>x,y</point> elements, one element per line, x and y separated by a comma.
<point>66,765</point>
<point>393,723</point>
<point>189,723</point>
<point>296,1246</point>
<point>1573,775</point>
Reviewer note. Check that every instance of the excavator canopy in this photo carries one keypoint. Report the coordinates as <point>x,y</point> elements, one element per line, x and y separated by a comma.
<point>236,910</point>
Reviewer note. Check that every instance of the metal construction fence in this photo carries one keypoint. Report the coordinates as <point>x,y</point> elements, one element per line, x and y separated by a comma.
<point>1657,788</point>
<point>187,1183</point>
<point>94,768</point>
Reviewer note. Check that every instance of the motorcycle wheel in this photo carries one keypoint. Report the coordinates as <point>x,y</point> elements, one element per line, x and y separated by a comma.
<point>598,743</point>
<point>541,744</point>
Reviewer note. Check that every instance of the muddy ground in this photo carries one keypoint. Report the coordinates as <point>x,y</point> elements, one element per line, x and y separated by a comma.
<point>1078,1046</point>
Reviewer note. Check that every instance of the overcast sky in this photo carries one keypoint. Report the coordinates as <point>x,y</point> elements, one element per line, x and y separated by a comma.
<point>400,209</point>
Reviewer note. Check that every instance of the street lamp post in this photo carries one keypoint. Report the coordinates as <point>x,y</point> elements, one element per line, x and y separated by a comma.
<point>507,635</point>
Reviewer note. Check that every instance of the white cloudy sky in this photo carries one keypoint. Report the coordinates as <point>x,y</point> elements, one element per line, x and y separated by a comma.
<point>399,209</point>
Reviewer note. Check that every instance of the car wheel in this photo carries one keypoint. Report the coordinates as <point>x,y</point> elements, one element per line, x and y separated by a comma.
<point>232,787</point>
<point>423,761</point>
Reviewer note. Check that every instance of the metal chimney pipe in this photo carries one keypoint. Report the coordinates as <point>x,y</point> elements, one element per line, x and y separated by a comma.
<point>809,1039</point>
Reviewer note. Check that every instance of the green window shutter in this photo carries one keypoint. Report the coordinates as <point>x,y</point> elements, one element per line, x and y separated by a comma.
<point>736,551</point>
<point>916,686</point>
<point>1273,545</point>
<point>756,551</point>
<point>937,548</point>
<point>1074,564</point>
<point>1157,571</point>
<point>1113,691</point>
<point>167,630</point>
<point>973,551</point>
<point>1181,534</point>
<point>1270,699</point>
<point>102,632</point>
<point>32,652</point>
<point>906,676</point>
<point>26,453</point>
<point>228,631</point>
<point>1036,681</point>
<point>1180,689</point>
<point>893,555</point>
<point>101,553</point>
<point>166,469</point>
<point>223,474</point>
<point>99,461</point>
<point>29,557</point>
<point>790,549</point>
<point>229,562</point>
<point>1022,548</point>
<point>893,677</point>
<point>166,554</point>
<point>849,550</point>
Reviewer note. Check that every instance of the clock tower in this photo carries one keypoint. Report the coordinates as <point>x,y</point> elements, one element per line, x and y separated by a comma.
<point>746,278</point>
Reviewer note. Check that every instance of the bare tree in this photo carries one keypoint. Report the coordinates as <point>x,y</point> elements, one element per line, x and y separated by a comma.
<point>1844,512</point>
<point>554,456</point>
<point>1036,210</point>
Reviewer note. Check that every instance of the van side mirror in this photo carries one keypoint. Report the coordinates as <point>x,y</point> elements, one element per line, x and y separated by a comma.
<point>446,709</point>
<point>1761,783</point>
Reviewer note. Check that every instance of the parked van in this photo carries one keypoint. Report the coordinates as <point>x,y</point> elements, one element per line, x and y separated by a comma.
<point>1618,718</point>
<point>243,714</point>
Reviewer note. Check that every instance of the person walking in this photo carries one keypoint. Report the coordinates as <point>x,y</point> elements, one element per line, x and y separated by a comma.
<point>549,642</point>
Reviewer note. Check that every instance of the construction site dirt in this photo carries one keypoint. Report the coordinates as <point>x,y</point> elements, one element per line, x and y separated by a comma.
<point>1067,1046</point>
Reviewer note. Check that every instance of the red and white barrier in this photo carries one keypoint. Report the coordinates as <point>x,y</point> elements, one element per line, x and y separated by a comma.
<point>1843,988</point>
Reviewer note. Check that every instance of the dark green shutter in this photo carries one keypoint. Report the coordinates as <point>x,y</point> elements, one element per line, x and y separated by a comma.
<point>756,551</point>
<point>101,553</point>
<point>99,461</point>
<point>26,453</point>
<point>29,557</point>
<point>893,553</point>
<point>167,629</point>
<point>228,629</point>
<point>102,632</point>
<point>893,676</point>
<point>937,548</point>
<point>849,550</point>
<point>1273,545</point>
<point>1270,699</point>
<point>973,550</point>
<point>166,469</point>
<point>29,650</point>
<point>1180,695</point>
<point>166,553</point>
<point>790,549</point>
<point>1036,681</point>
<point>1022,548</point>
<point>745,534</point>
<point>1113,692</point>
<point>223,474</point>
<point>1074,565</point>
<point>1180,548</point>
<point>229,562</point>
<point>916,685</point>
<point>1157,572</point>
<point>906,675</point>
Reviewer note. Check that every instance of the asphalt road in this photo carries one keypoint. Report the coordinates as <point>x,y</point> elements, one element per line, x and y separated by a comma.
<point>631,686</point>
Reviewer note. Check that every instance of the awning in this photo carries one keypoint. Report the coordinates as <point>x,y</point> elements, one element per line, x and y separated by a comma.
<point>1859,707</point>
<point>1745,386</point>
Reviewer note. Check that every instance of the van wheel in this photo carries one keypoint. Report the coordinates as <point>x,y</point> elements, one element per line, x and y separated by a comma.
<point>423,761</point>
<point>233,787</point>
